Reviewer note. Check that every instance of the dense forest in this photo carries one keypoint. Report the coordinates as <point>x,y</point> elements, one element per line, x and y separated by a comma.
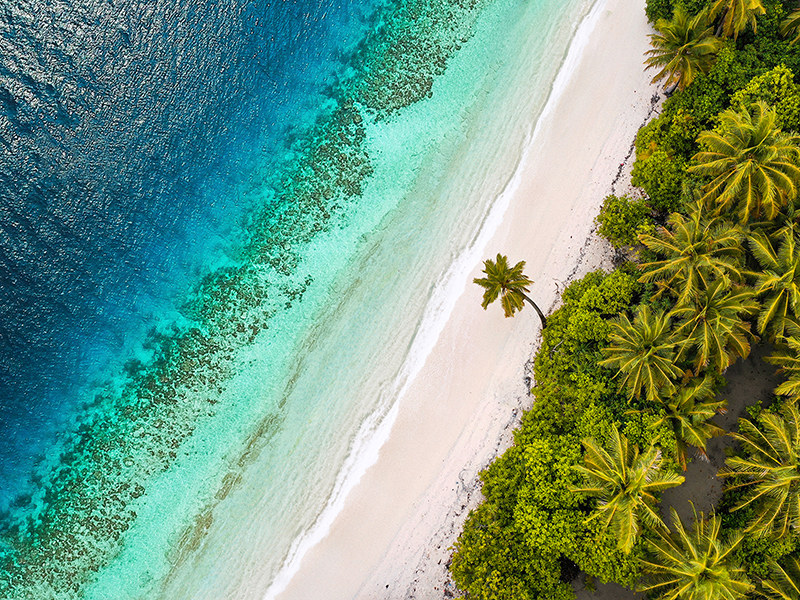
<point>629,368</point>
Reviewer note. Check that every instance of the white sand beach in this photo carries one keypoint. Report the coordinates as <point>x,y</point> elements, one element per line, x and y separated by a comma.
<point>392,538</point>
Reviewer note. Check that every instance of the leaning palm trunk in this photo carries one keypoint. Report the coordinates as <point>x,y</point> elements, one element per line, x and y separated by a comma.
<point>537,309</point>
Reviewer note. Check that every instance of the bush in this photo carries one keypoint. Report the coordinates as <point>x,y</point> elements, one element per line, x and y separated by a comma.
<point>658,9</point>
<point>661,177</point>
<point>778,89</point>
<point>622,219</point>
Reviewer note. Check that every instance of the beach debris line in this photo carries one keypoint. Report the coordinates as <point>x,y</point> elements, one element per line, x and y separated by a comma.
<point>510,284</point>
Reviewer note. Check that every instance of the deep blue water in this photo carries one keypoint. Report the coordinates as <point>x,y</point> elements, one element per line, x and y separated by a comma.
<point>130,134</point>
<point>180,184</point>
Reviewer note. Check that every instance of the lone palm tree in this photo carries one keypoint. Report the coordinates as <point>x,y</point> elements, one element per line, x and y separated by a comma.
<point>508,283</point>
<point>696,564</point>
<point>772,469</point>
<point>644,353</point>
<point>682,48</point>
<point>698,249</point>
<point>779,280</point>
<point>752,161</point>
<point>625,481</point>
<point>737,14</point>
<point>712,325</point>
<point>688,412</point>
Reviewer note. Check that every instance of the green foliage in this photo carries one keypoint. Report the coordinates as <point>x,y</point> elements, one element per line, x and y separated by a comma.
<point>643,352</point>
<point>622,219</point>
<point>682,47</point>
<point>492,562</point>
<point>665,146</point>
<point>736,15</point>
<point>625,482</point>
<point>662,9</point>
<point>659,173</point>
<point>692,252</point>
<point>756,554</point>
<point>513,544</point>
<point>597,554</point>
<point>695,563</point>
<point>504,282</point>
<point>778,89</point>
<point>658,9</point>
<point>771,472</point>
<point>566,365</point>
<point>752,162</point>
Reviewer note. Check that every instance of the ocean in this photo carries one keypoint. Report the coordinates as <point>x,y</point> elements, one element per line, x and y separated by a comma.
<point>228,237</point>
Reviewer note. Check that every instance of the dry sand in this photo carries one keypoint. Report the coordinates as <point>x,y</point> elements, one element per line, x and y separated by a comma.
<point>393,536</point>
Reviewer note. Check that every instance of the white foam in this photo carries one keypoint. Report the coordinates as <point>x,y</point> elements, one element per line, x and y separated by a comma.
<point>376,429</point>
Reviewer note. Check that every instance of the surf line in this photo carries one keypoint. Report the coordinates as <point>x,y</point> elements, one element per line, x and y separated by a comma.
<point>376,429</point>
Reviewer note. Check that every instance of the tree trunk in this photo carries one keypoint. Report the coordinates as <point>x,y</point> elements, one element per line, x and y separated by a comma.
<point>536,308</point>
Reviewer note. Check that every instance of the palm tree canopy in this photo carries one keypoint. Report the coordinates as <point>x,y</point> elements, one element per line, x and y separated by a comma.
<point>737,14</point>
<point>509,283</point>
<point>698,249</point>
<point>644,353</point>
<point>682,48</point>
<point>624,482</point>
<point>791,24</point>
<point>752,161</point>
<point>784,583</point>
<point>779,280</point>
<point>772,469</point>
<point>696,564</point>
<point>788,359</point>
<point>688,412</point>
<point>711,324</point>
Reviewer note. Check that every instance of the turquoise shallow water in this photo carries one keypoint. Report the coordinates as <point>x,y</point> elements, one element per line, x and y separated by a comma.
<point>260,358</point>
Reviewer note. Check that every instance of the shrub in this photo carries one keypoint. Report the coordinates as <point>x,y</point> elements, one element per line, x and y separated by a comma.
<point>622,219</point>
<point>778,89</point>
<point>661,176</point>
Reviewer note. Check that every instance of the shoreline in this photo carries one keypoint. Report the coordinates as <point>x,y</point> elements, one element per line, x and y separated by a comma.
<point>393,534</point>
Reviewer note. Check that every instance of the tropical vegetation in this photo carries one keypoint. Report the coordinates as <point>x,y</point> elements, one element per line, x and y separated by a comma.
<point>694,564</point>
<point>629,368</point>
<point>684,47</point>
<point>770,470</point>
<point>688,412</point>
<point>643,351</point>
<point>624,481</point>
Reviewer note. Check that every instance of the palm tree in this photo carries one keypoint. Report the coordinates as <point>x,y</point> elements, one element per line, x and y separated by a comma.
<point>682,48</point>
<point>698,249</point>
<point>737,15</point>
<point>772,469</point>
<point>696,564</point>
<point>791,24</point>
<point>713,327</point>
<point>688,412</point>
<point>785,581</point>
<point>510,283</point>
<point>644,353</point>
<point>752,161</point>
<point>788,359</point>
<point>624,481</point>
<point>779,280</point>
